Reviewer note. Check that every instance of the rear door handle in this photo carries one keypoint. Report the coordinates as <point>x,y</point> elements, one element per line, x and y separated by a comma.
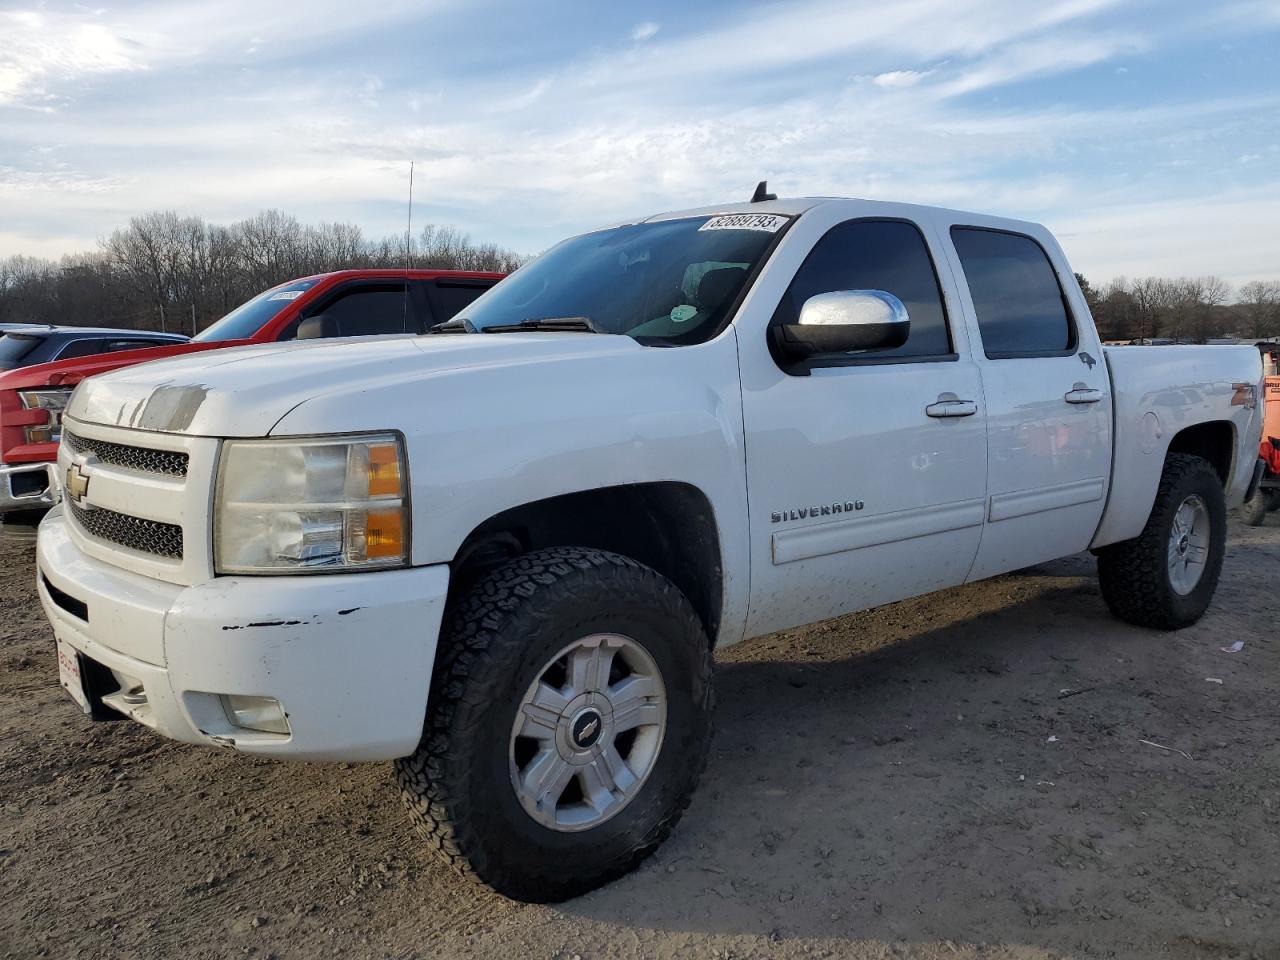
<point>1082,393</point>
<point>949,405</point>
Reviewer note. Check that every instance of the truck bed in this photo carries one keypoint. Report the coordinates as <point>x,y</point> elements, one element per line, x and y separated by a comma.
<point>1159,392</point>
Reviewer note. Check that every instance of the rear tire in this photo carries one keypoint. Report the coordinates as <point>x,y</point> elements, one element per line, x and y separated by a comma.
<point>1254,511</point>
<point>1158,579</point>
<point>506,665</point>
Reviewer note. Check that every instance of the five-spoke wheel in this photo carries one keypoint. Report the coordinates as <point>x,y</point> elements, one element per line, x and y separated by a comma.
<point>587,732</point>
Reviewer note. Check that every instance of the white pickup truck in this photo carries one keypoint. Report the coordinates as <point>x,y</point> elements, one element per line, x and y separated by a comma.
<point>502,553</point>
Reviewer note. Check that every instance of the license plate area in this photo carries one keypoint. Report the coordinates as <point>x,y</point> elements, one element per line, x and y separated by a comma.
<point>86,682</point>
<point>71,675</point>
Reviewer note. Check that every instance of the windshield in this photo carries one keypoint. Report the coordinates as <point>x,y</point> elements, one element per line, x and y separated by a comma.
<point>252,315</point>
<point>669,282</point>
<point>15,346</point>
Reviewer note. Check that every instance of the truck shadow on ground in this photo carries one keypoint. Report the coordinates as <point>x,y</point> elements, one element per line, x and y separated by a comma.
<point>969,767</point>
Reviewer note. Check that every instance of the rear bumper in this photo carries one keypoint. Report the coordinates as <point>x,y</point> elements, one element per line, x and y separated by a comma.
<point>348,656</point>
<point>26,486</point>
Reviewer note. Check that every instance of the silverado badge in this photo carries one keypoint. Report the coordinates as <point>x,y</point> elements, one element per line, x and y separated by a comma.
<point>817,510</point>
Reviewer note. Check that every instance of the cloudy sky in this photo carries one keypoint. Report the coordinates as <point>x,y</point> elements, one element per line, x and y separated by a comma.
<point>1145,132</point>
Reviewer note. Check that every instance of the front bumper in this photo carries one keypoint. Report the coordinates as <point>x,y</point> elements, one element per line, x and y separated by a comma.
<point>348,656</point>
<point>26,486</point>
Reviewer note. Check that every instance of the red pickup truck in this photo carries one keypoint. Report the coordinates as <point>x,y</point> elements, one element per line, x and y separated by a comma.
<point>347,303</point>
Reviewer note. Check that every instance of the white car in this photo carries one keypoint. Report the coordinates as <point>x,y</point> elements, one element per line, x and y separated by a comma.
<point>502,553</point>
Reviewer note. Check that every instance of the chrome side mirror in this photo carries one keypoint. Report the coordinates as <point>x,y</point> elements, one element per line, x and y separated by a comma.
<point>843,321</point>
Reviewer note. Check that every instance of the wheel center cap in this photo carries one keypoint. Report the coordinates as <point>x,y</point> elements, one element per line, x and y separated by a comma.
<point>1183,544</point>
<point>586,729</point>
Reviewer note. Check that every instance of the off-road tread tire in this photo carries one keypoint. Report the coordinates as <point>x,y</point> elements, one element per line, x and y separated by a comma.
<point>473,649</point>
<point>1134,574</point>
<point>1253,512</point>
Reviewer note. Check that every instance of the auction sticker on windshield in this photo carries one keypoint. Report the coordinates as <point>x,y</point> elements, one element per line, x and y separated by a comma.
<point>767,222</point>
<point>69,674</point>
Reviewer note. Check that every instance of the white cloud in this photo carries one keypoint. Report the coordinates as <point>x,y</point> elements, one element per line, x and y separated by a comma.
<point>42,51</point>
<point>643,31</point>
<point>1229,234</point>
<point>524,99</point>
<point>1059,53</point>
<point>39,48</point>
<point>810,31</point>
<point>897,79</point>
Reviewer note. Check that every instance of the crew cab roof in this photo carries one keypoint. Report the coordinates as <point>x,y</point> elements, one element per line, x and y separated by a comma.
<point>794,206</point>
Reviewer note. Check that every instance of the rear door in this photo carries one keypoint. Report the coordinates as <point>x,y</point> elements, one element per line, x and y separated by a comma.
<point>1047,395</point>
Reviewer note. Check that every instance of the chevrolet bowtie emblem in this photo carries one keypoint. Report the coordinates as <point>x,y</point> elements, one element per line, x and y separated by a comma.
<point>77,484</point>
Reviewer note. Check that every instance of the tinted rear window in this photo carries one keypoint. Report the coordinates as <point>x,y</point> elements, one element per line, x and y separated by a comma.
<point>15,346</point>
<point>80,347</point>
<point>1016,296</point>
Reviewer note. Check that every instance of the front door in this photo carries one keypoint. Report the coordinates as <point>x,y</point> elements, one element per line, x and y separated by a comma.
<point>866,474</point>
<point>1048,398</point>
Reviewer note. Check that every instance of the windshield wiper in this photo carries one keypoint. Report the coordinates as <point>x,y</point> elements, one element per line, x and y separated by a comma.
<point>458,325</point>
<point>552,324</point>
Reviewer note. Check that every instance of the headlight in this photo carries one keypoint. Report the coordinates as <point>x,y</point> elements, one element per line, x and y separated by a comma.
<point>52,399</point>
<point>287,506</point>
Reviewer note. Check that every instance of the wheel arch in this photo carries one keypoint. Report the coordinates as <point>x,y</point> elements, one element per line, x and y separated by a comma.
<point>667,525</point>
<point>1213,440</point>
<point>1136,473</point>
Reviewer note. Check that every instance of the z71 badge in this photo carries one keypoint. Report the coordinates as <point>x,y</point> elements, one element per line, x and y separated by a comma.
<point>824,510</point>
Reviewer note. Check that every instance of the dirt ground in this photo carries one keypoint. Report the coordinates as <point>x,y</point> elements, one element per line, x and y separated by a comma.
<point>974,773</point>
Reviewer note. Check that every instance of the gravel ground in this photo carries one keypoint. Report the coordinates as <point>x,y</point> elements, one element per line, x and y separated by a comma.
<point>974,773</point>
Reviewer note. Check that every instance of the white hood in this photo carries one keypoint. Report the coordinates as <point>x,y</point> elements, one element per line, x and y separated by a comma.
<point>245,391</point>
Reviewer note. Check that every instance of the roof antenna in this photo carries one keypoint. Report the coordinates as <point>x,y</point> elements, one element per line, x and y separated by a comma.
<point>408,255</point>
<point>408,230</point>
<point>762,193</point>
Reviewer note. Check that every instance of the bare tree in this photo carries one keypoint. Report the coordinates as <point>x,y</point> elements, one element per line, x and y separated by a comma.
<point>1260,306</point>
<point>1116,311</point>
<point>1153,298</point>
<point>271,247</point>
<point>151,250</point>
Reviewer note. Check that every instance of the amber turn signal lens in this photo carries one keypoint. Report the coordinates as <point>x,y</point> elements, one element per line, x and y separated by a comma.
<point>384,534</point>
<point>384,470</point>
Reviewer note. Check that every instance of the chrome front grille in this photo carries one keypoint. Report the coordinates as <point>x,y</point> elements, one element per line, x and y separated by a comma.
<point>172,463</point>
<point>140,501</point>
<point>146,536</point>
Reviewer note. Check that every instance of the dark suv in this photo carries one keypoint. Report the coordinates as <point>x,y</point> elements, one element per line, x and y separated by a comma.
<point>24,344</point>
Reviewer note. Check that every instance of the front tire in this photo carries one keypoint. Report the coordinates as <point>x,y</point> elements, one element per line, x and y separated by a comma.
<point>569,721</point>
<point>1166,576</point>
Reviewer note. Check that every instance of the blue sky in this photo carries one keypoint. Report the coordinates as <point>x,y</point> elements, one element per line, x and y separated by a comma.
<point>1146,134</point>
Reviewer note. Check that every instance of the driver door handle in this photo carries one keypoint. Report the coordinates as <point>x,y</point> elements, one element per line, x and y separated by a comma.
<point>1081,393</point>
<point>949,405</point>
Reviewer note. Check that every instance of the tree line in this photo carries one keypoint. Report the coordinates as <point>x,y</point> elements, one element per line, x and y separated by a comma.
<point>1191,309</point>
<point>169,272</point>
